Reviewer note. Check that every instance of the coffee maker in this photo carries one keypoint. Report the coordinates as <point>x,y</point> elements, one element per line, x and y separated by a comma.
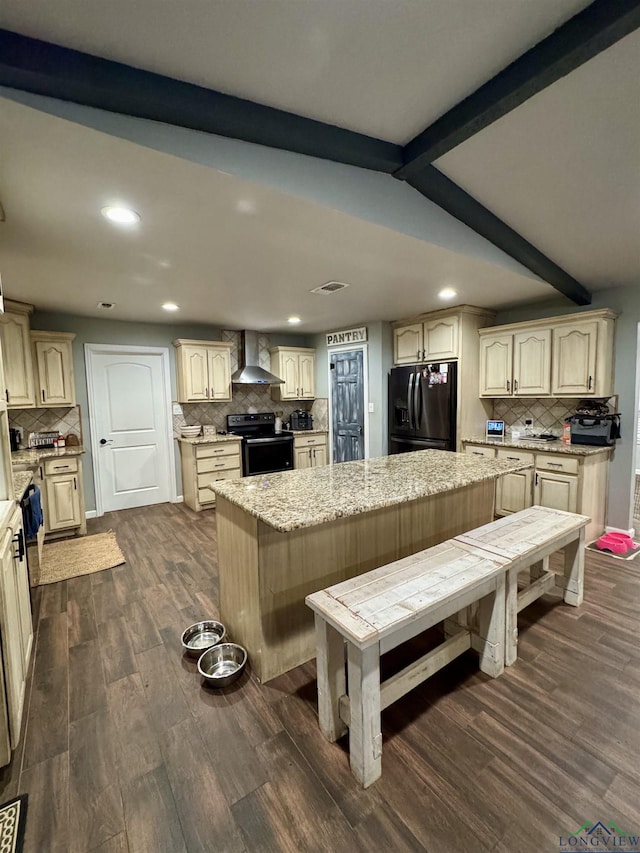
<point>300,419</point>
<point>14,438</point>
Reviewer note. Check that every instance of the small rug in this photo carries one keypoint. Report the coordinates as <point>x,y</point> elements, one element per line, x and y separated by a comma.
<point>84,555</point>
<point>629,555</point>
<point>13,818</point>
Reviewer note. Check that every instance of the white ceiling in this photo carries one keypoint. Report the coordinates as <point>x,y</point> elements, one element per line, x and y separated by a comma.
<point>562,169</point>
<point>387,68</point>
<point>193,245</point>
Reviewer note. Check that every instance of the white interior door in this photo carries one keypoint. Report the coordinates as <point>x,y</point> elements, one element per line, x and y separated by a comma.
<point>129,410</point>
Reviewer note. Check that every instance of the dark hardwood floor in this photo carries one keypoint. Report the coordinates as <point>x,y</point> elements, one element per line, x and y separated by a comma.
<point>124,750</point>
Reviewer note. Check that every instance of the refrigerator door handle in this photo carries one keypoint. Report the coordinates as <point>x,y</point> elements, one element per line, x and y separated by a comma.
<point>417,407</point>
<point>412,377</point>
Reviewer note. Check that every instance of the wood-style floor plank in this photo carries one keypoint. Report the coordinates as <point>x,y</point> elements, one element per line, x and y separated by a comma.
<point>124,750</point>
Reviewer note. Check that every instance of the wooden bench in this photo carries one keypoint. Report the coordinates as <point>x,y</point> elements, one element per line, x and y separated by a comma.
<point>526,539</point>
<point>377,611</point>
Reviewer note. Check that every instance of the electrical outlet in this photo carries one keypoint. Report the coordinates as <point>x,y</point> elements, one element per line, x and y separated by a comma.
<point>528,422</point>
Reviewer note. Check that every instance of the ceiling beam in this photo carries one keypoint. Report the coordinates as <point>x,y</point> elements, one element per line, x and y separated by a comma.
<point>591,31</point>
<point>70,75</point>
<point>435,186</point>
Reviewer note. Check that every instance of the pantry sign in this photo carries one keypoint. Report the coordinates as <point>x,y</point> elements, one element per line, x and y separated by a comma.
<point>351,336</point>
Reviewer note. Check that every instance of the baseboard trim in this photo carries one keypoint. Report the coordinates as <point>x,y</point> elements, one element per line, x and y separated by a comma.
<point>91,513</point>
<point>178,500</point>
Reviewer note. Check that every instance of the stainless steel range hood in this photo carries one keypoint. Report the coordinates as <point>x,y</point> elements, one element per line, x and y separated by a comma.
<point>249,372</point>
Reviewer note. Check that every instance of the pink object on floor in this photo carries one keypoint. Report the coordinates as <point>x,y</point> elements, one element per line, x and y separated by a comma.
<point>617,543</point>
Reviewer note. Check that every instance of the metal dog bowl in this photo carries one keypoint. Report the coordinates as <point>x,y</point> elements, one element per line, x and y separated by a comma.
<point>201,636</point>
<point>222,664</point>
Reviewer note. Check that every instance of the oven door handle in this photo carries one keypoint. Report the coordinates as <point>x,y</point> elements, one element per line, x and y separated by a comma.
<point>276,439</point>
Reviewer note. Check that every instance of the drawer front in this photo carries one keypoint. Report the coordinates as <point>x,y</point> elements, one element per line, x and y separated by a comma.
<point>560,464</point>
<point>210,451</point>
<point>218,463</point>
<point>309,440</point>
<point>206,494</point>
<point>515,455</point>
<point>60,466</point>
<point>474,450</point>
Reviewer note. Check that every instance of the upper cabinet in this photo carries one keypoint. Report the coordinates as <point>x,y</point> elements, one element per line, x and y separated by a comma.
<point>55,385</point>
<point>517,364</point>
<point>203,370</point>
<point>297,367</point>
<point>434,339</point>
<point>570,356</point>
<point>16,351</point>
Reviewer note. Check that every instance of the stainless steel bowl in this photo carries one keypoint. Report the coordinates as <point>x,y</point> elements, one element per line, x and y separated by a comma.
<point>222,664</point>
<point>201,636</point>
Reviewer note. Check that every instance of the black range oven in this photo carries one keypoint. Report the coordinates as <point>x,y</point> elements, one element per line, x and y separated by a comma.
<point>263,450</point>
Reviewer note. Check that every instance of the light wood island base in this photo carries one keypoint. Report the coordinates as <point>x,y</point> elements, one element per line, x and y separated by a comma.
<point>265,575</point>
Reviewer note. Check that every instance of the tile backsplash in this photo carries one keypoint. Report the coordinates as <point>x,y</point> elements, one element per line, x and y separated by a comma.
<point>548,413</point>
<point>59,420</point>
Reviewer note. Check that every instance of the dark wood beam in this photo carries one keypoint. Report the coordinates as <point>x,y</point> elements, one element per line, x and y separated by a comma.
<point>435,186</point>
<point>69,75</point>
<point>591,31</point>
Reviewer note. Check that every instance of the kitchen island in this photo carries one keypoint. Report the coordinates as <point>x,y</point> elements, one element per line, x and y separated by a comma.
<point>282,536</point>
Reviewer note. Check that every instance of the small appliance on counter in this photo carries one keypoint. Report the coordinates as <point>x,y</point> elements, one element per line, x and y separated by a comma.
<point>14,438</point>
<point>594,424</point>
<point>43,439</point>
<point>301,419</point>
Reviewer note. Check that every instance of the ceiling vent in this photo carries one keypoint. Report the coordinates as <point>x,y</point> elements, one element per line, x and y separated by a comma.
<point>330,287</point>
<point>107,306</point>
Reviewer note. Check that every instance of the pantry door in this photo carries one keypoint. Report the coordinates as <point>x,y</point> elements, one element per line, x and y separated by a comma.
<point>131,431</point>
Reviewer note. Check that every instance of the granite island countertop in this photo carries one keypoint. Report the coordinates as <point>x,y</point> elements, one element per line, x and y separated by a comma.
<point>311,496</point>
<point>546,446</point>
<point>209,439</point>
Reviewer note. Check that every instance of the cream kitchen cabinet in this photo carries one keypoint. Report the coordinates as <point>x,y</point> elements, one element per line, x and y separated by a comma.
<point>569,356</point>
<point>513,491</point>
<point>18,363</point>
<point>297,367</point>
<point>432,340</point>
<point>63,503</point>
<point>53,361</point>
<point>16,626</point>
<point>203,370</point>
<point>517,364</point>
<point>310,451</point>
<point>202,464</point>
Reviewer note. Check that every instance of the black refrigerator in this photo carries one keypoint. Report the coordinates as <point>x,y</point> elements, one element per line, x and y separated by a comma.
<point>422,407</point>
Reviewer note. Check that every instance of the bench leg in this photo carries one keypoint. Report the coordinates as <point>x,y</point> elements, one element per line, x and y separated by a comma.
<point>331,678</point>
<point>365,737</point>
<point>489,641</point>
<point>511,619</point>
<point>574,571</point>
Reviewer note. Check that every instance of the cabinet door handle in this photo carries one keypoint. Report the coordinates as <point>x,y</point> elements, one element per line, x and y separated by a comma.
<point>6,394</point>
<point>590,383</point>
<point>536,478</point>
<point>206,391</point>
<point>41,476</point>
<point>418,355</point>
<point>508,385</point>
<point>515,385</point>
<point>75,484</point>
<point>43,397</point>
<point>19,540</point>
<point>212,394</point>
<point>297,392</point>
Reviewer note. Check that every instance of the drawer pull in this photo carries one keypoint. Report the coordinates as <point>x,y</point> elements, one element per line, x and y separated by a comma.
<point>555,464</point>
<point>477,453</point>
<point>513,458</point>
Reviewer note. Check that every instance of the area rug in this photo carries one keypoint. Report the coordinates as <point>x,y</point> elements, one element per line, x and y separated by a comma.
<point>630,555</point>
<point>13,819</point>
<point>83,555</point>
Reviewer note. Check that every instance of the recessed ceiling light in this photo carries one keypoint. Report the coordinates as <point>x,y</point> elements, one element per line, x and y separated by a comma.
<point>293,320</point>
<point>120,215</point>
<point>170,306</point>
<point>447,293</point>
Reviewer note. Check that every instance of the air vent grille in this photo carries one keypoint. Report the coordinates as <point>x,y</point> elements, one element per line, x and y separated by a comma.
<point>330,287</point>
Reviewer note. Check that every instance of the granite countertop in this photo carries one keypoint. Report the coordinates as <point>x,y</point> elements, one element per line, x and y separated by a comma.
<point>209,439</point>
<point>540,446</point>
<point>297,432</point>
<point>34,455</point>
<point>310,496</point>
<point>21,479</point>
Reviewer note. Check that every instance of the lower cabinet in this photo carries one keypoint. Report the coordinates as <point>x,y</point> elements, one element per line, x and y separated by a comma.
<point>16,628</point>
<point>310,451</point>
<point>202,464</point>
<point>559,481</point>
<point>63,503</point>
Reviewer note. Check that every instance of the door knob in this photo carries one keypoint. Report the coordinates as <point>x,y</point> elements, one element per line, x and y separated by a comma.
<point>106,441</point>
